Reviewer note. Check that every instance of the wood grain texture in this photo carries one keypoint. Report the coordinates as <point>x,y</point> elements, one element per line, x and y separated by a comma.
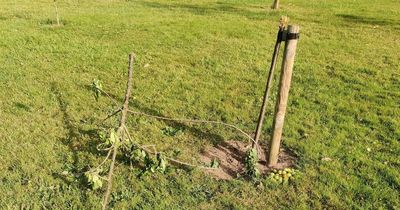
<point>283,95</point>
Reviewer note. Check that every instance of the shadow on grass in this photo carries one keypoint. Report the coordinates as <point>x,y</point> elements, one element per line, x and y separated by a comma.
<point>22,106</point>
<point>367,20</point>
<point>51,22</point>
<point>218,7</point>
<point>74,139</point>
<point>135,105</point>
<point>83,142</point>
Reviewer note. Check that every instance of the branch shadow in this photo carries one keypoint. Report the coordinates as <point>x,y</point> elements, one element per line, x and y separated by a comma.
<point>78,140</point>
<point>198,133</point>
<point>218,7</point>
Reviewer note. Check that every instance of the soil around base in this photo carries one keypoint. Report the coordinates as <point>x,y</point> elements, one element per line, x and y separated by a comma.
<point>230,155</point>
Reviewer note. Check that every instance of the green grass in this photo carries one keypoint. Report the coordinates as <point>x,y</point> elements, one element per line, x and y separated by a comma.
<point>207,60</point>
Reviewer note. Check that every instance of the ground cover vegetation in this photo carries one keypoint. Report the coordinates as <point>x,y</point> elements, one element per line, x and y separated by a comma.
<point>200,60</point>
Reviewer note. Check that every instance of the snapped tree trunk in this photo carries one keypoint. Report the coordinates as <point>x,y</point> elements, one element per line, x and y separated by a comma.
<point>276,4</point>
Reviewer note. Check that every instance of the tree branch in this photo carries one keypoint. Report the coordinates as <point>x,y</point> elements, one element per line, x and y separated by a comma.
<point>120,130</point>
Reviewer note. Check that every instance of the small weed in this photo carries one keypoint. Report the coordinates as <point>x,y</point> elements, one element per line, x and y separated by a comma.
<point>171,131</point>
<point>250,164</point>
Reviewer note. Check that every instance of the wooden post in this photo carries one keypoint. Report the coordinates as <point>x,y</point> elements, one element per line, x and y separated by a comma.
<point>57,16</point>
<point>284,86</point>
<point>269,82</point>
<point>275,5</point>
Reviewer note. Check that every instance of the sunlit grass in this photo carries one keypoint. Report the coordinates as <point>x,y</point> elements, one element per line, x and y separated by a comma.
<point>204,60</point>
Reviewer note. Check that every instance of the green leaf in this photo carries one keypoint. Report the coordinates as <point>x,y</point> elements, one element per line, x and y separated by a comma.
<point>214,163</point>
<point>170,131</point>
<point>103,136</point>
<point>138,155</point>
<point>148,163</point>
<point>94,179</point>
<point>250,163</point>
<point>114,138</point>
<point>162,163</point>
<point>97,88</point>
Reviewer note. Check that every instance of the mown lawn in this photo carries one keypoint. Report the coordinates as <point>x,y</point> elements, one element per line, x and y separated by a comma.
<point>206,60</point>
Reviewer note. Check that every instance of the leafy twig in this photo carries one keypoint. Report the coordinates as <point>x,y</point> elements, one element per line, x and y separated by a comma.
<point>104,161</point>
<point>111,115</point>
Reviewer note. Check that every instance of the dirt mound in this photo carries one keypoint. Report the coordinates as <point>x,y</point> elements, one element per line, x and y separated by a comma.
<point>230,155</point>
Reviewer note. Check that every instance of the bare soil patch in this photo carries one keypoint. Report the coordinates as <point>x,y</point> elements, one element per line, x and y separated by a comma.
<point>230,155</point>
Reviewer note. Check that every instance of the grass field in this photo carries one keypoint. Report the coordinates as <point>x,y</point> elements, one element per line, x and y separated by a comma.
<point>206,60</point>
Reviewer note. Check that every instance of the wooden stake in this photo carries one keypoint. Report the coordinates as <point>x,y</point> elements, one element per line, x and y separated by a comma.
<point>268,85</point>
<point>120,131</point>
<point>284,86</point>
<point>57,16</point>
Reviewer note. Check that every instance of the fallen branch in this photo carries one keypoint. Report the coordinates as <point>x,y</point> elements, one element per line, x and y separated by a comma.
<point>111,115</point>
<point>120,132</point>
<point>177,119</point>
<point>104,161</point>
<point>168,158</point>
<point>194,121</point>
<point>254,143</point>
<point>109,96</point>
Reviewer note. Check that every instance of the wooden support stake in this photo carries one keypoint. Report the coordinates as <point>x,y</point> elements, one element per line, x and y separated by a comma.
<point>268,84</point>
<point>57,16</point>
<point>284,86</point>
<point>120,131</point>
